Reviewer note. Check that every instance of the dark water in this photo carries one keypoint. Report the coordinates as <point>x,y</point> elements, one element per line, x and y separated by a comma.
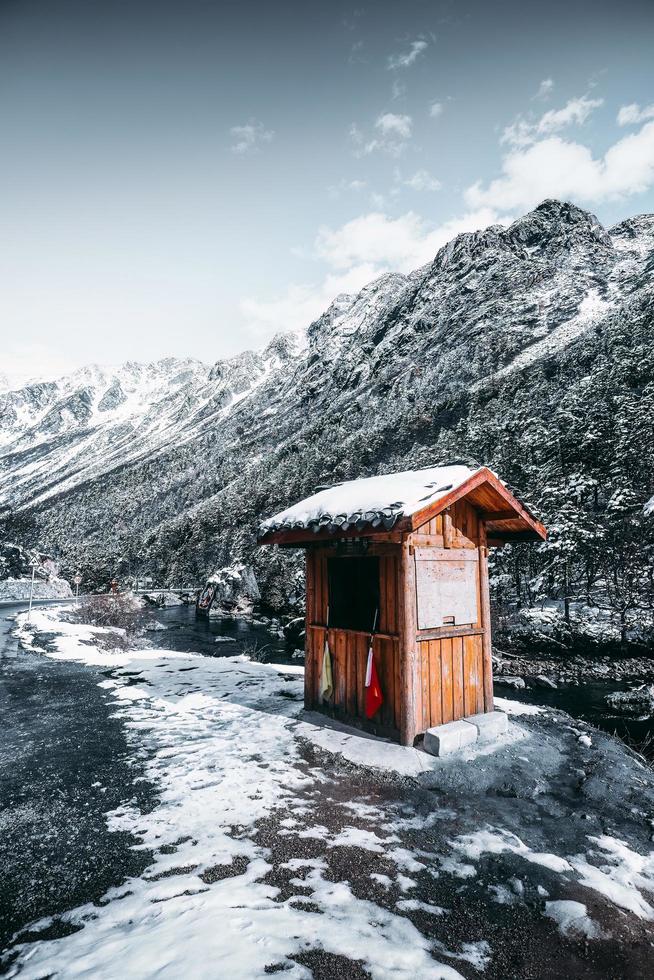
<point>216,636</point>
<point>587,702</point>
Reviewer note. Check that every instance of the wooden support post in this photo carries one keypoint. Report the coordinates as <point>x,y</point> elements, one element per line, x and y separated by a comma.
<point>447,529</point>
<point>309,639</point>
<point>409,680</point>
<point>486,640</point>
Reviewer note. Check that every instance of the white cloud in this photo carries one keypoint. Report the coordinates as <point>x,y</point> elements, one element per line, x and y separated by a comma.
<point>23,362</point>
<point>523,131</point>
<point>631,114</point>
<point>301,304</point>
<point>555,167</point>
<point>391,124</point>
<point>392,130</point>
<point>355,254</point>
<point>398,89</point>
<point>436,110</point>
<point>401,244</point>
<point>544,89</point>
<point>575,111</point>
<point>355,56</point>
<point>422,180</point>
<point>406,58</point>
<point>249,137</point>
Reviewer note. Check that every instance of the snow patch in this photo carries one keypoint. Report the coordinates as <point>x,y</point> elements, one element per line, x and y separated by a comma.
<point>591,309</point>
<point>517,707</point>
<point>572,919</point>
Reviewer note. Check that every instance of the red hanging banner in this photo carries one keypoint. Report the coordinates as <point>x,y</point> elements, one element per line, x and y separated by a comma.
<point>374,697</point>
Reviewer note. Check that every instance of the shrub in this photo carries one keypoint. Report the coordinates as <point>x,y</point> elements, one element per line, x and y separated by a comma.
<point>119,611</point>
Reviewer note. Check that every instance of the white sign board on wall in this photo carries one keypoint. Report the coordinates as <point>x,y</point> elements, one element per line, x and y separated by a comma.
<point>446,587</point>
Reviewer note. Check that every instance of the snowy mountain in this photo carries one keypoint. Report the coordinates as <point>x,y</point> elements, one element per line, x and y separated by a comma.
<point>57,435</point>
<point>506,349</point>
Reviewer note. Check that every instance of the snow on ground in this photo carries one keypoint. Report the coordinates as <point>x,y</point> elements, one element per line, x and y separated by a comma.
<point>516,707</point>
<point>377,753</point>
<point>572,917</point>
<point>264,854</point>
<point>223,760</point>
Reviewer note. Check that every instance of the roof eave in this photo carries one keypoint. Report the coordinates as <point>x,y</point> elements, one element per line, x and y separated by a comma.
<point>299,537</point>
<point>528,523</point>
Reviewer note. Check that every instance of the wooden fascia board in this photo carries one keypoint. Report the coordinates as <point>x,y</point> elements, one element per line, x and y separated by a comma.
<point>301,538</point>
<point>484,475</point>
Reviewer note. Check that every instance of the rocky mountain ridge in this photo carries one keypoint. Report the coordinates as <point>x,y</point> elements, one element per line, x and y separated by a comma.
<point>489,354</point>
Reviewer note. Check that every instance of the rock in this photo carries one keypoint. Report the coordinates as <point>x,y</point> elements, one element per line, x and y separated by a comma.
<point>294,631</point>
<point>517,683</point>
<point>112,398</point>
<point>638,701</point>
<point>585,740</point>
<point>542,681</point>
<point>16,575</point>
<point>162,600</point>
<point>236,587</point>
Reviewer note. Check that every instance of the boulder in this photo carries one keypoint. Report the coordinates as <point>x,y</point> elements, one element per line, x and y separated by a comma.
<point>517,683</point>
<point>294,631</point>
<point>236,589</point>
<point>639,701</point>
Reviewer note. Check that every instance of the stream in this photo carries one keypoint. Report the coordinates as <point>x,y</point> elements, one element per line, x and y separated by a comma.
<point>587,702</point>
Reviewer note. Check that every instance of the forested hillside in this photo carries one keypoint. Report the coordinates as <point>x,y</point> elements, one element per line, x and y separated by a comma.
<point>528,349</point>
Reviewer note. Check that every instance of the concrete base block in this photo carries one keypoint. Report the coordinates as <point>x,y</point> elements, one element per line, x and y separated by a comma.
<point>489,725</point>
<point>445,739</point>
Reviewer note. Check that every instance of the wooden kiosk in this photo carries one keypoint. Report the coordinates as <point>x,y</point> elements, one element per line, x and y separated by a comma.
<point>401,561</point>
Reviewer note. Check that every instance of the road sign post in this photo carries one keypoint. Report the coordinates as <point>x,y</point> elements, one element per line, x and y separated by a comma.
<point>29,611</point>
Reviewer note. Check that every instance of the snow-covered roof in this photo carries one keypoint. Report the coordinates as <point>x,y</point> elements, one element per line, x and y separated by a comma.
<point>378,501</point>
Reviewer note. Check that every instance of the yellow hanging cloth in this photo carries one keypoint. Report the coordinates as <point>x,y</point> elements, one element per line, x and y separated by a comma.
<point>326,683</point>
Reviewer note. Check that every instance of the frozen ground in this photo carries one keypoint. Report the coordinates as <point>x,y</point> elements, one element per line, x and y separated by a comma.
<point>268,850</point>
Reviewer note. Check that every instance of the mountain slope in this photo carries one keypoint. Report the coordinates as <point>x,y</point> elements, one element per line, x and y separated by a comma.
<point>474,356</point>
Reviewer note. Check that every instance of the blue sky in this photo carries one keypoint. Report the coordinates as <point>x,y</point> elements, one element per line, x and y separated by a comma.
<point>188,178</point>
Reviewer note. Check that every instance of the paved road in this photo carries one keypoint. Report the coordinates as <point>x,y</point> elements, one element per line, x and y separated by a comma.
<point>63,763</point>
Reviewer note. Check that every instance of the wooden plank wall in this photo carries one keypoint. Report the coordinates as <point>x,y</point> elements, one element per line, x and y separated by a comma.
<point>349,650</point>
<point>454,678</point>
